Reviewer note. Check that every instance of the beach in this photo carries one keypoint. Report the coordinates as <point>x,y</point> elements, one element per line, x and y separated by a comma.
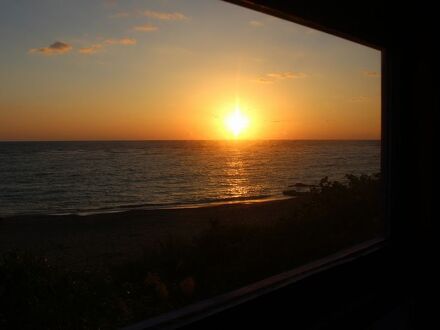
<point>112,238</point>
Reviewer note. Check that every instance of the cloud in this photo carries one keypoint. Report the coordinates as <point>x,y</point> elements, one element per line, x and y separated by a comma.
<point>176,16</point>
<point>145,28</point>
<point>122,41</point>
<point>286,75</point>
<point>57,48</point>
<point>163,16</point>
<point>272,77</point>
<point>256,23</point>
<point>371,74</point>
<point>91,50</point>
<point>263,80</point>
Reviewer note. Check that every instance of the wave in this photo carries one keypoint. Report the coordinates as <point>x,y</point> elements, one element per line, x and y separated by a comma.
<point>169,206</point>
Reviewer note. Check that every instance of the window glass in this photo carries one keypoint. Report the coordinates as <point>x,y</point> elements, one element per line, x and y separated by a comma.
<point>158,153</point>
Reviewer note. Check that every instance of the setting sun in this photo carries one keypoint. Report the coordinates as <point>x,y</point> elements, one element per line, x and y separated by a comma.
<point>236,122</point>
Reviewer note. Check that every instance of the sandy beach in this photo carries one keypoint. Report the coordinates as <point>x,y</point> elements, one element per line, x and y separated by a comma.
<point>112,238</point>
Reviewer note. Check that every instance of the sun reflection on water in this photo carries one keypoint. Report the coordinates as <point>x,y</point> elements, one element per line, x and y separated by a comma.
<point>236,175</point>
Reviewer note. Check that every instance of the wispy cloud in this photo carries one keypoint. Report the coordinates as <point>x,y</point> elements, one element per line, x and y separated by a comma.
<point>157,15</point>
<point>263,80</point>
<point>91,50</point>
<point>286,75</point>
<point>95,48</point>
<point>270,78</point>
<point>145,28</point>
<point>371,74</point>
<point>176,16</point>
<point>256,23</point>
<point>122,41</point>
<point>57,48</point>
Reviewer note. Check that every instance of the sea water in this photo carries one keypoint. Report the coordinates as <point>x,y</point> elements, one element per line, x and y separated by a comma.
<point>88,177</point>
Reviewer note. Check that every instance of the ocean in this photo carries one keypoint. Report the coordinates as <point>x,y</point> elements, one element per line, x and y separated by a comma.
<point>94,177</point>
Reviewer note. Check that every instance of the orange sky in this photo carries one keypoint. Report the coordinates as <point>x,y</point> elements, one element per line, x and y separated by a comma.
<point>129,70</point>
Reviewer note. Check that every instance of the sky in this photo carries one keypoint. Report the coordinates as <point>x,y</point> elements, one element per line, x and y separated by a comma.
<point>177,69</point>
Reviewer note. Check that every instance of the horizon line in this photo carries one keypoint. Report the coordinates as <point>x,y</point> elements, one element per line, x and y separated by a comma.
<point>187,140</point>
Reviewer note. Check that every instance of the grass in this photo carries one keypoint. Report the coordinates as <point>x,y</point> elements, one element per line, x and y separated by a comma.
<point>37,295</point>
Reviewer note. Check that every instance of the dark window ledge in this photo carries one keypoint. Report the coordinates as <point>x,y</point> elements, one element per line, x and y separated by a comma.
<point>249,297</point>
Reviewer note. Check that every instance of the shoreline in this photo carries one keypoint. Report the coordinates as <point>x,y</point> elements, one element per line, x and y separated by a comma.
<point>152,207</point>
<point>113,238</point>
<point>176,206</point>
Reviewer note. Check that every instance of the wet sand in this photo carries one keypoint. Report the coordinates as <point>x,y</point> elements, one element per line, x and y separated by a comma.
<point>112,238</point>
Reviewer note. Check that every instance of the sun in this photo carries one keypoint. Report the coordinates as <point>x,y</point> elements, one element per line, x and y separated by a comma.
<point>236,122</point>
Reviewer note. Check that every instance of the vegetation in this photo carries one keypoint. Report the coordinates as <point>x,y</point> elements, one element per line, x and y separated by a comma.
<point>34,294</point>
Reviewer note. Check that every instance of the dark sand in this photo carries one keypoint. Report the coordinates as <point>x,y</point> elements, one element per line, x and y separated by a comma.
<point>100,239</point>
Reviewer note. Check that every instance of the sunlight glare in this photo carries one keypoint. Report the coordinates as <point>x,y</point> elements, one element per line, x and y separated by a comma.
<point>236,122</point>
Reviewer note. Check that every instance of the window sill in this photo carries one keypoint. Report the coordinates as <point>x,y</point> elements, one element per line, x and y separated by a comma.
<point>209,307</point>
